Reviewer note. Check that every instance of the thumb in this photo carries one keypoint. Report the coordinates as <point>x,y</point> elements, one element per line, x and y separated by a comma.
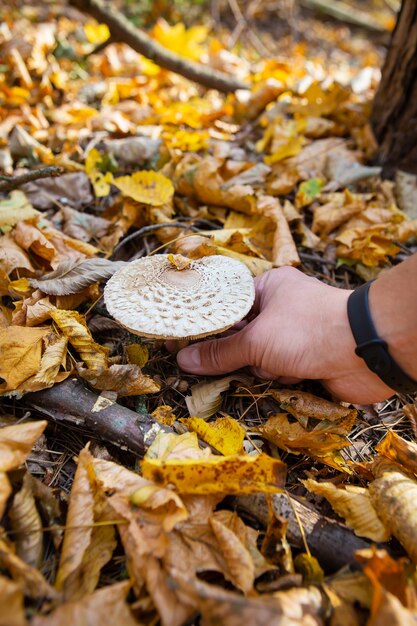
<point>217,356</point>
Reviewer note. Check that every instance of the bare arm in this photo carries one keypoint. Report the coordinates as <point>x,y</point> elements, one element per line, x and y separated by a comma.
<point>299,329</point>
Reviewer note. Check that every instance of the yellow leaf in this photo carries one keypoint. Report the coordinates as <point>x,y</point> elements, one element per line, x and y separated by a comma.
<point>399,450</point>
<point>185,42</point>
<point>146,187</point>
<point>20,354</point>
<point>12,603</point>
<point>225,434</point>
<point>186,140</point>
<point>291,148</point>
<point>96,33</point>
<point>218,475</point>
<point>101,182</point>
<point>15,208</point>
<point>137,354</point>
<point>354,505</point>
<point>164,415</point>
<point>51,362</point>
<point>73,326</point>
<point>179,262</point>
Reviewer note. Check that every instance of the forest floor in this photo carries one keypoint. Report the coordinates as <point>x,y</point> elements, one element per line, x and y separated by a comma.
<point>130,491</point>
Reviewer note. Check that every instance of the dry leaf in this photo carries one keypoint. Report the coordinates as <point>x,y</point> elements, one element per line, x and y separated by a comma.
<point>125,380</point>
<point>146,187</point>
<point>205,399</point>
<point>51,361</point>
<point>12,257</point>
<point>354,505</point>
<point>87,545</point>
<point>137,354</point>
<point>393,495</point>
<point>218,475</point>
<point>20,354</point>
<point>225,434</point>
<point>73,326</point>
<point>237,557</point>
<point>26,523</point>
<point>164,415</point>
<point>11,603</point>
<point>172,446</point>
<point>15,208</point>
<point>30,579</point>
<point>17,441</point>
<point>73,276</point>
<point>104,607</point>
<point>305,406</point>
<point>399,450</point>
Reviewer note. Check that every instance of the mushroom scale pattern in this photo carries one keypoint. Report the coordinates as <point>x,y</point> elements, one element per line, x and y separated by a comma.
<point>151,297</point>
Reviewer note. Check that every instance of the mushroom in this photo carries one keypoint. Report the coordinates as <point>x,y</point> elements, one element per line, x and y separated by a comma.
<point>168,296</point>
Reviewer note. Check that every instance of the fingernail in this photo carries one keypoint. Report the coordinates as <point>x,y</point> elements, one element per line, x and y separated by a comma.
<point>189,358</point>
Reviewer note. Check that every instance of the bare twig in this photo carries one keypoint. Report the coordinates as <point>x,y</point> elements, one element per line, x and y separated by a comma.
<point>343,12</point>
<point>7,183</point>
<point>123,30</point>
<point>71,402</point>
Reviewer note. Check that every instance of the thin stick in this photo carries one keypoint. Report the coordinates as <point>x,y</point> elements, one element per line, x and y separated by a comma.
<point>7,183</point>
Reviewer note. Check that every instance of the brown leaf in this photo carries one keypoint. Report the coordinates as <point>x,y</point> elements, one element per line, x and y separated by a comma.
<point>284,250</point>
<point>73,276</point>
<point>399,450</point>
<point>206,399</point>
<point>26,524</point>
<point>30,579</point>
<point>12,257</point>
<point>11,603</point>
<point>87,546</point>
<point>125,380</point>
<point>20,352</point>
<point>305,406</point>
<point>238,559</point>
<point>104,607</point>
<point>17,441</point>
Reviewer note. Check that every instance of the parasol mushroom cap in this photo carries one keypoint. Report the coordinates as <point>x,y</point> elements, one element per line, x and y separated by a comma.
<point>167,296</point>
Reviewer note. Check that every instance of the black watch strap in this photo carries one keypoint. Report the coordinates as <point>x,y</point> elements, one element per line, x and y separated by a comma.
<point>371,348</point>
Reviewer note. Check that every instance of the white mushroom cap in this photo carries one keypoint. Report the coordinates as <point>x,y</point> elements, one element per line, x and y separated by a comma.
<point>152,298</point>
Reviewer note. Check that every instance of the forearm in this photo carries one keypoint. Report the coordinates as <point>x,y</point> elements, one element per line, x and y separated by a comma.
<point>393,305</point>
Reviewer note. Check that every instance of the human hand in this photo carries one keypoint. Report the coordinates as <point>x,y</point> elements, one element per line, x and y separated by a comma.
<point>298,328</point>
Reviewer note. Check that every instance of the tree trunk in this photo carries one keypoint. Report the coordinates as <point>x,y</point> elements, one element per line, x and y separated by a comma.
<point>394,116</point>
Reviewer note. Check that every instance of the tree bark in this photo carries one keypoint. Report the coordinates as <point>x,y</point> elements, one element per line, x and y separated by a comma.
<point>72,403</point>
<point>123,30</point>
<point>394,116</point>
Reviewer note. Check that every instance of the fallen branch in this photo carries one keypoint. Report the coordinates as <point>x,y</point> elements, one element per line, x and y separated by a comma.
<point>7,183</point>
<point>73,403</point>
<point>345,13</point>
<point>331,543</point>
<point>124,31</point>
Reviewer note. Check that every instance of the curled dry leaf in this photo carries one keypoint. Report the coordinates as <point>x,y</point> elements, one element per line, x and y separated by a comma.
<point>5,491</point>
<point>225,434</point>
<point>354,505</point>
<point>12,257</point>
<point>73,326</point>
<point>303,406</point>
<point>205,399</point>
<point>26,523</point>
<point>87,545</point>
<point>11,603</point>
<point>239,561</point>
<point>172,446</point>
<point>125,380</point>
<point>104,607</point>
<point>163,415</point>
<point>73,276</point>
<point>51,361</point>
<point>393,495</point>
<point>284,251</point>
<point>83,226</point>
<point>301,607</point>
<point>218,475</point>
<point>399,450</point>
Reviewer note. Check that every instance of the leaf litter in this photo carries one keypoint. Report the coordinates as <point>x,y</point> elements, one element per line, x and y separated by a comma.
<point>276,175</point>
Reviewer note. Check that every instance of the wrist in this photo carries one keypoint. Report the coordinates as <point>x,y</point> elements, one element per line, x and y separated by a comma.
<point>393,326</point>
